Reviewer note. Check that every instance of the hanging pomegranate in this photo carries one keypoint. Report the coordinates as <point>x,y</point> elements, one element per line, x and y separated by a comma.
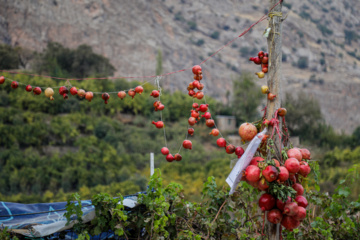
<point>89,96</point>
<point>2,79</point>
<point>131,93</point>
<point>14,84</point>
<point>37,91</point>
<point>187,144</point>
<point>230,149</point>
<point>192,121</point>
<point>196,69</point>
<point>105,97</point>
<point>195,105</point>
<point>121,95</point>
<point>28,88</point>
<point>49,92</point>
<point>206,115</point>
<point>210,123</point>
<point>165,151</point>
<point>158,124</point>
<point>73,91</point>
<point>81,93</point>
<point>203,107</point>
<point>170,158</point>
<point>215,132</point>
<point>155,93</point>
<point>191,131</point>
<point>221,142</point>
<point>177,157</point>
<point>139,89</point>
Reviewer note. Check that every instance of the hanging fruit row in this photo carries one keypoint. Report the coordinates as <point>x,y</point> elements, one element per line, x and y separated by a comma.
<point>263,60</point>
<point>64,91</point>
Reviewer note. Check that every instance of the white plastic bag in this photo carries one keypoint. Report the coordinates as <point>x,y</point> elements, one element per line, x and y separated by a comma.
<point>236,173</point>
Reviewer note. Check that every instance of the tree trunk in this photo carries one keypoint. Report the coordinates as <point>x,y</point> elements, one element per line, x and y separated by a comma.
<point>274,83</point>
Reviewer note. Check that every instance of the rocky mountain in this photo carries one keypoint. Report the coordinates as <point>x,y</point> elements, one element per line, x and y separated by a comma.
<point>321,51</point>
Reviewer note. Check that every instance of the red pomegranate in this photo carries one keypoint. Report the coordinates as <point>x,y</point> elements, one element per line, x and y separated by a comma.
<point>239,151</point>
<point>298,188</point>
<point>203,107</point>
<point>14,84</point>
<point>81,93</point>
<point>256,160</point>
<point>277,163</point>
<point>215,132</point>
<point>266,202</point>
<point>195,105</point>
<point>158,124</point>
<point>292,165</point>
<point>291,208</point>
<point>178,157</point>
<point>131,93</point>
<point>281,205</point>
<point>192,121</point>
<point>139,89</point>
<point>89,96</point>
<point>274,216</point>
<point>63,90</point>
<point>165,151</point>
<point>252,173</point>
<point>294,153</point>
<point>305,153</point>
<point>195,114</point>
<point>221,142</point>
<point>262,185</point>
<point>196,69</point>
<point>191,131</point>
<point>210,123</point>
<point>247,131</point>
<point>301,214</point>
<point>155,93</point>
<point>121,95</point>
<point>301,201</point>
<point>2,79</point>
<point>37,91</point>
<point>270,173</point>
<point>73,91</point>
<point>284,174</point>
<point>187,144</point>
<point>170,158</point>
<point>105,97</point>
<point>28,88</point>
<point>304,169</point>
<point>230,149</point>
<point>289,222</point>
<point>206,115</point>
<point>191,93</point>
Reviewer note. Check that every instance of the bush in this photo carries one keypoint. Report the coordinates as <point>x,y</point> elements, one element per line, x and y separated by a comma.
<point>303,62</point>
<point>9,57</point>
<point>215,35</point>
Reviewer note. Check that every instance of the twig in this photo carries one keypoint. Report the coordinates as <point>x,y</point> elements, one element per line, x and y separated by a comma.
<point>219,211</point>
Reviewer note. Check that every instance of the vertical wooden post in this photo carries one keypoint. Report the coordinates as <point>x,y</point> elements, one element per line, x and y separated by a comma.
<point>274,81</point>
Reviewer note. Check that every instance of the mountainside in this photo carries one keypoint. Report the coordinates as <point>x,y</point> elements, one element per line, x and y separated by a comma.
<point>320,42</point>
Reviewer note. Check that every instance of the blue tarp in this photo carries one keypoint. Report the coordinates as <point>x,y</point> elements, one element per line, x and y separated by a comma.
<point>44,219</point>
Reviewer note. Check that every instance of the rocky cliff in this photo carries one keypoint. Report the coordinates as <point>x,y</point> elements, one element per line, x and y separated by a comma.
<point>320,42</point>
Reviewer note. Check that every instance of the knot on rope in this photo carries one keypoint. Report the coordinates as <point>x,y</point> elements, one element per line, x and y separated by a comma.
<point>275,123</point>
<point>275,14</point>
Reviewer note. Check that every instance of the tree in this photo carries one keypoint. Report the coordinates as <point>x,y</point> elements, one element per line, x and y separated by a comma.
<point>9,57</point>
<point>247,97</point>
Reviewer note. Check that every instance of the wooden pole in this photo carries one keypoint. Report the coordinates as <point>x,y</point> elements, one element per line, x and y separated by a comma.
<point>274,82</point>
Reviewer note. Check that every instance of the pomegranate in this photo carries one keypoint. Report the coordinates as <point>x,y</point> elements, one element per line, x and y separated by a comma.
<point>63,90</point>
<point>253,184</point>
<point>158,124</point>
<point>291,209</point>
<point>230,149</point>
<point>170,158</point>
<point>264,69</point>
<point>260,74</point>
<point>131,93</point>
<point>257,60</point>
<point>2,79</point>
<point>165,151</point>
<point>196,84</point>
<point>187,144</point>
<point>265,60</point>
<point>121,95</point>
<point>262,185</point>
<point>271,96</point>
<point>282,112</point>
<point>301,214</point>
<point>294,153</point>
<point>210,123</point>
<point>203,107</point>
<point>14,84</point>
<point>192,121</point>
<point>199,95</point>
<point>73,91</point>
<point>266,202</point>
<point>256,160</point>
<point>298,188</point>
<point>270,173</point>
<point>196,69</point>
<point>195,114</point>
<point>266,122</point>
<point>281,205</point>
<point>261,54</point>
<point>277,163</point>
<point>305,153</point>
<point>198,77</point>
<point>274,216</point>
<point>191,131</point>
<point>290,223</point>
<point>89,96</point>
<point>49,92</point>
<point>252,173</point>
<point>292,178</point>
<point>239,151</point>
<point>105,97</point>
<point>221,142</point>
<point>265,89</point>
<point>28,88</point>
<point>191,93</point>
<point>206,115</point>
<point>139,89</point>
<point>190,87</point>
<point>81,93</point>
<point>284,174</point>
<point>155,93</point>
<point>201,86</point>
<point>195,105</point>
<point>247,131</point>
<point>178,157</point>
<point>292,165</point>
<point>37,91</point>
<point>160,107</point>
<point>304,169</point>
<point>215,132</point>
<point>301,201</point>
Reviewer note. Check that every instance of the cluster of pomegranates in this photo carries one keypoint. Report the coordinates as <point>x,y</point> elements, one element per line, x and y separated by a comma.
<point>262,174</point>
<point>263,60</point>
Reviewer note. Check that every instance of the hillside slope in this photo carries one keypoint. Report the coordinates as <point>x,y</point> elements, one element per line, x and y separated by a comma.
<point>320,42</point>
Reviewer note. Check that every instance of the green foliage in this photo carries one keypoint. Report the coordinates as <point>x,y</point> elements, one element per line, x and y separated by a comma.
<point>303,62</point>
<point>9,57</point>
<point>82,62</point>
<point>246,99</point>
<point>350,36</point>
<point>215,35</point>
